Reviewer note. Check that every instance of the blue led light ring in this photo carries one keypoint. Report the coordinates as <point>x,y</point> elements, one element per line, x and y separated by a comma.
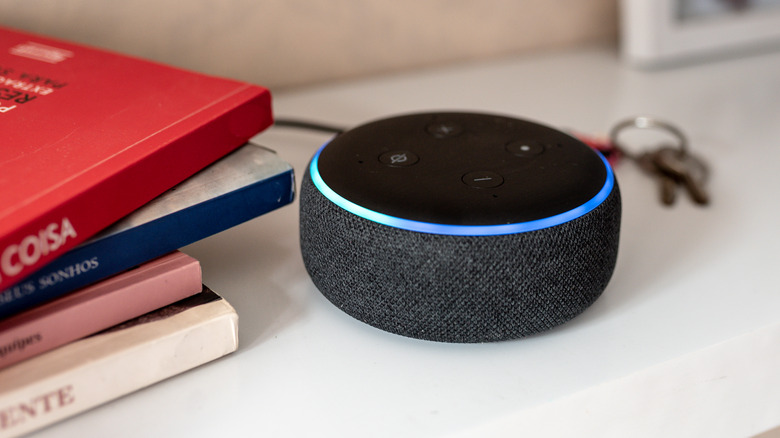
<point>461,230</point>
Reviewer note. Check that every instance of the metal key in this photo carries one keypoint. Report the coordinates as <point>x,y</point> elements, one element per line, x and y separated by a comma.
<point>667,185</point>
<point>671,165</point>
<point>684,168</point>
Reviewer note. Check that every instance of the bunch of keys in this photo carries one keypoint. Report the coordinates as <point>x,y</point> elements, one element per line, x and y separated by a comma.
<point>672,165</point>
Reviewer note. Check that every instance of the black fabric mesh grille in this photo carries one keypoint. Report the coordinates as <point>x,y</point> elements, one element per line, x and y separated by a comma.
<point>457,288</point>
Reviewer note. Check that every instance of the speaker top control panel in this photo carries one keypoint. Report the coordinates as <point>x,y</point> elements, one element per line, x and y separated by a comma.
<point>462,169</point>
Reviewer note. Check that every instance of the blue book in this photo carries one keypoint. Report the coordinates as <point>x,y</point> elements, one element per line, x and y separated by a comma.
<point>245,184</point>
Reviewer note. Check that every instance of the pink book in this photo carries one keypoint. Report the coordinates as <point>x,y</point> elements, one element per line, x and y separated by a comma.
<point>86,311</point>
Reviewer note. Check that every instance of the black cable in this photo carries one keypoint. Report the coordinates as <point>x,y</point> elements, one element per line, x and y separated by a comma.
<point>303,124</point>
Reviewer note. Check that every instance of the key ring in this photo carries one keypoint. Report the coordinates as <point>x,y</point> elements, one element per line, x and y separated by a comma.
<point>646,122</point>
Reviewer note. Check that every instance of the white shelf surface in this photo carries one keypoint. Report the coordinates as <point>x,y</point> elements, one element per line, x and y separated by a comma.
<point>685,341</point>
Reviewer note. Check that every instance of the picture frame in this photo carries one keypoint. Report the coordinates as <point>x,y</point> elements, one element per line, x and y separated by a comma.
<point>657,33</point>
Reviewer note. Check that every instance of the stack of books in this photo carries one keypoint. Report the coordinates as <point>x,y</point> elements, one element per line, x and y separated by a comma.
<point>109,164</point>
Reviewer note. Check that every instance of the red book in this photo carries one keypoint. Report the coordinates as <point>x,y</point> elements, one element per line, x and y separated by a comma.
<point>152,285</point>
<point>89,136</point>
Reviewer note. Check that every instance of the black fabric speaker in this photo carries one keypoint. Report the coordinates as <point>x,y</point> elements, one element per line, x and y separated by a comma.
<point>459,227</point>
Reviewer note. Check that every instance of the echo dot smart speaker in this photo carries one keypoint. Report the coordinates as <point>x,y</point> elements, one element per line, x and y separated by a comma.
<point>459,227</point>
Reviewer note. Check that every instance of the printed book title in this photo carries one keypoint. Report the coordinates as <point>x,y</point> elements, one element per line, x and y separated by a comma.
<point>47,280</point>
<point>31,248</point>
<point>18,88</point>
<point>36,407</point>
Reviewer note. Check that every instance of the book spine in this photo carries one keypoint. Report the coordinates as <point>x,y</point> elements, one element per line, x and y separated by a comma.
<point>99,259</point>
<point>153,285</point>
<point>74,384</point>
<point>71,221</point>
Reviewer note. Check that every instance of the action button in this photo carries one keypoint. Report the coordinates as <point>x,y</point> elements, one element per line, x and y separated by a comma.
<point>399,158</point>
<point>522,148</point>
<point>482,179</point>
<point>444,129</point>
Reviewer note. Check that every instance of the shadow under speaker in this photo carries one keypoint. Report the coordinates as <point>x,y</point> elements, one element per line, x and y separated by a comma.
<point>459,227</point>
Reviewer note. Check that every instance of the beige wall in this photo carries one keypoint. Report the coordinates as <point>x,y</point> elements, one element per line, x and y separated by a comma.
<point>281,43</point>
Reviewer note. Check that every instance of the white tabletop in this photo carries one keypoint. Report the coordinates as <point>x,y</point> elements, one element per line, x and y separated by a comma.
<point>685,341</point>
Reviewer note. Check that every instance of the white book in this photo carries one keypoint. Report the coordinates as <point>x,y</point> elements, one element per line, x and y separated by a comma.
<point>94,370</point>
